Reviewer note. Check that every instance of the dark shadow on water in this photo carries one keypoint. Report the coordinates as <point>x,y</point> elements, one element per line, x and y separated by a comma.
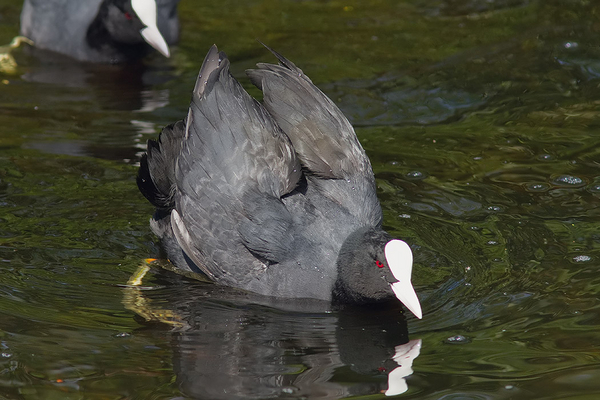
<point>116,87</point>
<point>234,345</point>
<point>95,110</point>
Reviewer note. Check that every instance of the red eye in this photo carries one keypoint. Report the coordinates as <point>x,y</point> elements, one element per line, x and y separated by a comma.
<point>128,16</point>
<point>379,264</point>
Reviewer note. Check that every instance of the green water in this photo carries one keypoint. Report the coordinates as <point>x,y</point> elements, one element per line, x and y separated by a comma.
<point>481,121</point>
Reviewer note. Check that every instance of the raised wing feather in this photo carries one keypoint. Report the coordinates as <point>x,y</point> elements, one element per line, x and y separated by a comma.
<point>322,136</point>
<point>233,167</point>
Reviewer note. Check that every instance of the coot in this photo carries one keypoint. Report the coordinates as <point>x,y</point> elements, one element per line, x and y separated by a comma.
<point>276,198</point>
<point>103,31</point>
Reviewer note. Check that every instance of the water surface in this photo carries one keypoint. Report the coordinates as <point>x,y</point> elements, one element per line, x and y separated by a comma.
<point>481,121</point>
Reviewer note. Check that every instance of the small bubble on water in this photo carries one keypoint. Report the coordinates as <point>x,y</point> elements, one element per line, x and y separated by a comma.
<point>568,180</point>
<point>537,187</point>
<point>545,157</point>
<point>492,242</point>
<point>415,175</point>
<point>457,339</point>
<point>494,208</point>
<point>594,188</point>
<point>582,258</point>
<point>407,216</point>
<point>571,45</point>
<point>509,387</point>
<point>123,334</point>
<point>6,355</point>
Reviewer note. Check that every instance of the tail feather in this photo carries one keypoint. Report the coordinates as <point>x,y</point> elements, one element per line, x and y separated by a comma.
<point>156,176</point>
<point>206,79</point>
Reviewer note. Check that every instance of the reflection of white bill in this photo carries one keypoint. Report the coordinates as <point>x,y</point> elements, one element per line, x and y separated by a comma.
<point>405,354</point>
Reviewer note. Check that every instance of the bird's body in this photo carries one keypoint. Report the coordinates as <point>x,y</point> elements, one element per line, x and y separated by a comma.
<point>100,31</point>
<point>278,199</point>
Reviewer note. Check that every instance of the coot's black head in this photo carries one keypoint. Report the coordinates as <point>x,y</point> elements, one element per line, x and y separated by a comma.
<point>126,23</point>
<point>373,267</point>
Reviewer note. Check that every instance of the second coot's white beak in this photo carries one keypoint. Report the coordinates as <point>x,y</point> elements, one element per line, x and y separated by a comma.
<point>146,12</point>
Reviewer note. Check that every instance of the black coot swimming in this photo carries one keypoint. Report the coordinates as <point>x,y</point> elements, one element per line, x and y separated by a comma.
<point>102,31</point>
<point>276,198</point>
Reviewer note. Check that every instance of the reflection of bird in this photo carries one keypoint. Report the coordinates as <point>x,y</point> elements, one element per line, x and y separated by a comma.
<point>229,344</point>
<point>248,352</point>
<point>277,199</point>
<point>105,31</point>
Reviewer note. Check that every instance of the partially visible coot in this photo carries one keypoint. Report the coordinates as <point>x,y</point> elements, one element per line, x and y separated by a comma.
<point>101,31</point>
<point>277,199</point>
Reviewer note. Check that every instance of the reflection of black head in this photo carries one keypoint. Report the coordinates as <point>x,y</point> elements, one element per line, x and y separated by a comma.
<point>367,337</point>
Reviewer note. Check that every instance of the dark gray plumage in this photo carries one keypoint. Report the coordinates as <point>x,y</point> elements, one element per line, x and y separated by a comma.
<point>276,199</point>
<point>102,31</point>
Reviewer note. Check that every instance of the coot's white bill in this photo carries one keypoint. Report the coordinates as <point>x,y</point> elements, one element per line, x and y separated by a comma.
<point>400,259</point>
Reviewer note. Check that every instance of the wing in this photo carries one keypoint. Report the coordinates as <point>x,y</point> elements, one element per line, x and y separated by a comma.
<point>322,136</point>
<point>233,166</point>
